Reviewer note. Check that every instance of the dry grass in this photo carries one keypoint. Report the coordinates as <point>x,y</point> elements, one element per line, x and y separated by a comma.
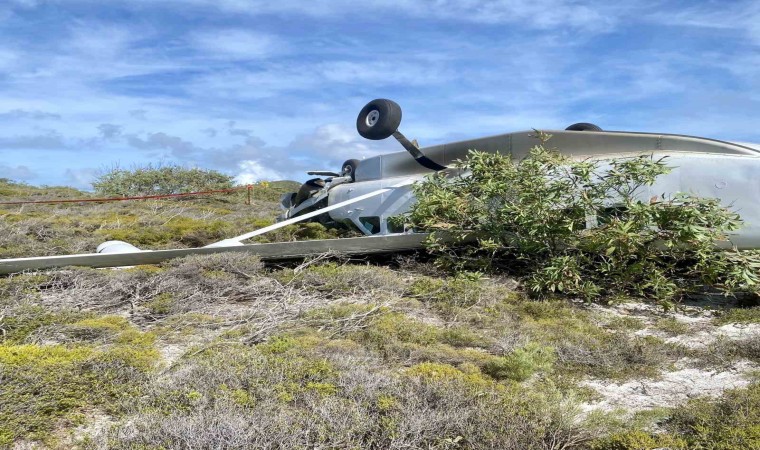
<point>286,400</point>
<point>56,229</point>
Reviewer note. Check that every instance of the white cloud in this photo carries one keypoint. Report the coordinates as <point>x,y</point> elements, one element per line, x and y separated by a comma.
<point>332,144</point>
<point>275,79</point>
<point>252,171</point>
<point>179,147</point>
<point>383,72</point>
<point>109,130</point>
<point>47,140</point>
<point>8,59</point>
<point>81,178</point>
<point>259,83</point>
<point>324,148</point>
<point>17,173</point>
<point>22,114</point>
<point>236,44</point>
<point>541,14</point>
<point>742,17</point>
<point>101,40</point>
<point>25,3</point>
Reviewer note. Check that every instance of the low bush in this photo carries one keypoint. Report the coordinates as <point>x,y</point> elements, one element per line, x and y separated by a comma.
<point>340,280</point>
<point>671,326</point>
<point>521,363</point>
<point>448,295</point>
<point>739,315</point>
<point>616,355</point>
<point>287,398</point>
<point>159,180</point>
<point>43,384</point>
<point>724,352</point>
<point>297,232</point>
<point>731,422</point>
<point>624,323</point>
<point>580,228</point>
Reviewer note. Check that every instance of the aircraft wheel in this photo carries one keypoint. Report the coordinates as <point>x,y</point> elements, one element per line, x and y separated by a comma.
<point>378,119</point>
<point>349,168</point>
<point>583,126</point>
<point>308,189</point>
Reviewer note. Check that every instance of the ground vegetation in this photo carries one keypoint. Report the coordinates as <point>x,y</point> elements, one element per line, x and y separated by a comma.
<point>223,351</point>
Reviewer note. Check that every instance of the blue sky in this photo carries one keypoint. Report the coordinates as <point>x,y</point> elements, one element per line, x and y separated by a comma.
<point>269,89</point>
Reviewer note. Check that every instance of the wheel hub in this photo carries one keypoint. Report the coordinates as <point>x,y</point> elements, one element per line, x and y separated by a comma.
<point>373,117</point>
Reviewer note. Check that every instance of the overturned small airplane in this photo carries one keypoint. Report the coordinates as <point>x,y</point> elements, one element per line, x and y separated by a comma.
<point>365,194</point>
<point>704,167</point>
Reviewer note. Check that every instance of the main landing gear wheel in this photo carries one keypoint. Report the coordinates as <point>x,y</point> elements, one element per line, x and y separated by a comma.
<point>378,119</point>
<point>583,126</point>
<point>349,169</point>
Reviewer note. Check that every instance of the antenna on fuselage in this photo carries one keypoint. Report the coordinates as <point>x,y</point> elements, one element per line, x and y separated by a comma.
<point>380,119</point>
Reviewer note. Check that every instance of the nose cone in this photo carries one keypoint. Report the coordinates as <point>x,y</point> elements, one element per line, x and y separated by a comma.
<point>116,247</point>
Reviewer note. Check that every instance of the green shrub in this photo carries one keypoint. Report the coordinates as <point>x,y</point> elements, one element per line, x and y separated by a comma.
<point>435,372</point>
<point>447,295</point>
<point>25,320</point>
<point>338,280</point>
<point>637,440</point>
<point>672,326</point>
<point>580,228</point>
<point>731,422</point>
<point>271,191</point>
<point>463,337</point>
<point>185,230</point>
<point>161,304</point>
<point>522,363</point>
<point>739,315</point>
<point>615,355</point>
<point>625,323</point>
<point>396,327</point>
<point>285,399</point>
<point>297,232</point>
<point>159,180</point>
<point>44,383</point>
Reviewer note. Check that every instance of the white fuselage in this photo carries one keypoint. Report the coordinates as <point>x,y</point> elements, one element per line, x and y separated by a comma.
<point>703,167</point>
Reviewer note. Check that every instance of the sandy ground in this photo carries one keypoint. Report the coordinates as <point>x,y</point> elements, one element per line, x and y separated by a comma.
<point>672,389</point>
<point>685,381</point>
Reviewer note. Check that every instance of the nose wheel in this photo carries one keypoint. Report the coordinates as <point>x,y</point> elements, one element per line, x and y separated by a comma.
<point>349,169</point>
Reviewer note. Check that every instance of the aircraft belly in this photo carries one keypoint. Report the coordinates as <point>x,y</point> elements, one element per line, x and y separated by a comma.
<point>573,143</point>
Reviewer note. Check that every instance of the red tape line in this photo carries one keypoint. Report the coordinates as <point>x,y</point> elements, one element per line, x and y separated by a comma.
<point>121,199</point>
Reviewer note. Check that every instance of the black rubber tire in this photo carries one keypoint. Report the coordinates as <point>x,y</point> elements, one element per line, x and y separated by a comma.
<point>308,189</point>
<point>349,168</point>
<point>383,123</point>
<point>583,126</point>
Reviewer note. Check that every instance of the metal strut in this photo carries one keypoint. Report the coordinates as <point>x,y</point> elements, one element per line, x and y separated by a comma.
<point>414,150</point>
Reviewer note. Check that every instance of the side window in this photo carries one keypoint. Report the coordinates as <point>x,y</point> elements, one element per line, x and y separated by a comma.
<point>395,226</point>
<point>371,223</point>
